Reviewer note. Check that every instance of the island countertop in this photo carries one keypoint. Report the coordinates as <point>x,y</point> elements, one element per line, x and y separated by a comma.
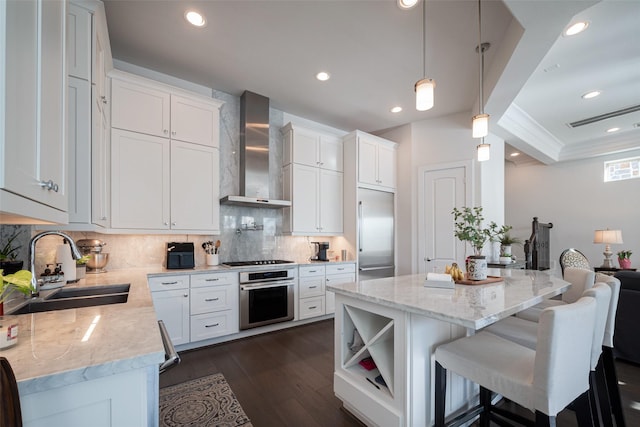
<point>471,306</point>
<point>58,348</point>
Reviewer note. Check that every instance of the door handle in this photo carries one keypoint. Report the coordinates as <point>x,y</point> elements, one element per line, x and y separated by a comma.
<point>360,225</point>
<point>383,267</point>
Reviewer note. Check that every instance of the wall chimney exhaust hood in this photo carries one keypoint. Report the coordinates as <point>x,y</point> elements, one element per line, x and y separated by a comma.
<point>254,155</point>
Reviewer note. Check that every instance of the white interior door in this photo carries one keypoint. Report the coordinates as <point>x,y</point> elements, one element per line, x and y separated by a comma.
<point>440,190</point>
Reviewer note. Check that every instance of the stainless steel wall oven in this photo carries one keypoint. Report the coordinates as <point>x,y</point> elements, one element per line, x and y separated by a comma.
<point>266,296</point>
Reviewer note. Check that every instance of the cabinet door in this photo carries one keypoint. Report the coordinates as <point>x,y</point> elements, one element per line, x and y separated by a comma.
<point>140,108</point>
<point>305,147</point>
<point>78,42</point>
<point>336,279</point>
<point>100,167</point>
<point>195,202</point>
<point>305,199</point>
<point>139,181</point>
<point>172,307</point>
<point>386,166</point>
<point>196,121</point>
<point>367,161</point>
<point>331,202</point>
<point>331,153</point>
<point>79,146</point>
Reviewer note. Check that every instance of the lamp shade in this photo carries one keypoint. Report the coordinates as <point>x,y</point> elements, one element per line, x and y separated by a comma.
<point>480,125</point>
<point>608,236</point>
<point>424,94</point>
<point>484,152</point>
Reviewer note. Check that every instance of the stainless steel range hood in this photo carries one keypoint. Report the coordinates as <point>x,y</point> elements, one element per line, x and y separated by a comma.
<point>254,155</point>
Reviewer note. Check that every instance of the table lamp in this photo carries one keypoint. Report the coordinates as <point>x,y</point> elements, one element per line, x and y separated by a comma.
<point>608,237</point>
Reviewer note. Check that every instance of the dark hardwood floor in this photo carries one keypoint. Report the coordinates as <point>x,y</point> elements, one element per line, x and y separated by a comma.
<point>285,378</point>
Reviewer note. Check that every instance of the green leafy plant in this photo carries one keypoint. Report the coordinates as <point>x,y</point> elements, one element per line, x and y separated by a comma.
<point>496,234</point>
<point>624,255</point>
<point>507,239</point>
<point>468,227</point>
<point>19,281</point>
<point>9,252</point>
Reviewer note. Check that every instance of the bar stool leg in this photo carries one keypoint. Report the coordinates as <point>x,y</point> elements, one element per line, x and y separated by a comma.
<point>582,408</point>
<point>441,392</point>
<point>612,385</point>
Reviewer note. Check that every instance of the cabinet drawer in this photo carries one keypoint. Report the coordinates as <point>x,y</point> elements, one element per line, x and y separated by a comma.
<point>205,326</point>
<point>214,279</point>
<point>165,283</point>
<point>336,279</point>
<point>341,268</point>
<point>311,287</point>
<point>311,270</point>
<point>214,298</point>
<point>311,307</point>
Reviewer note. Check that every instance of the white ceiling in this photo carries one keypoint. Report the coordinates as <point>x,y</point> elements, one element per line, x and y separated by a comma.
<point>374,52</point>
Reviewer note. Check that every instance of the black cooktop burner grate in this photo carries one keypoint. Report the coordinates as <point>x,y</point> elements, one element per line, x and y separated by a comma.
<point>259,262</point>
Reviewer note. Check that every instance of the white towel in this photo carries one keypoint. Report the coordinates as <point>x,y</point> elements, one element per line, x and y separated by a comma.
<point>439,280</point>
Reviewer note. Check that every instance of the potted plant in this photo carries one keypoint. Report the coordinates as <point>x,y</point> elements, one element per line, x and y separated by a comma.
<point>505,244</point>
<point>8,254</point>
<point>81,266</point>
<point>19,281</point>
<point>468,228</point>
<point>496,235</point>
<point>624,259</point>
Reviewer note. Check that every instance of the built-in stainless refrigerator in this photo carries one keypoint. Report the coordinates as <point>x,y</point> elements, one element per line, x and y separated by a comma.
<point>376,244</point>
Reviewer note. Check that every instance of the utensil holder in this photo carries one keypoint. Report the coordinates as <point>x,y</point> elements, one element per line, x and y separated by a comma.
<point>212,259</point>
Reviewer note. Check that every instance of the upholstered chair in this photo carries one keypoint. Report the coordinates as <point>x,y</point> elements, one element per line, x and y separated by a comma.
<point>573,258</point>
<point>524,332</point>
<point>544,380</point>
<point>580,280</point>
<point>10,412</point>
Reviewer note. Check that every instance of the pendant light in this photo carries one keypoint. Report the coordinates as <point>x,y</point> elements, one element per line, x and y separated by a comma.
<point>424,87</point>
<point>480,122</point>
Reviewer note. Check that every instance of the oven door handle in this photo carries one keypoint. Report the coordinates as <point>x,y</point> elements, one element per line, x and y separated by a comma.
<point>266,285</point>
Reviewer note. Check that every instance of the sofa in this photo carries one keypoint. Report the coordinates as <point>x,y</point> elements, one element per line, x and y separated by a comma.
<point>626,339</point>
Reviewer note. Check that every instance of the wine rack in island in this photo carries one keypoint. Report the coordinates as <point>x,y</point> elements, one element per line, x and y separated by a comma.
<point>369,360</point>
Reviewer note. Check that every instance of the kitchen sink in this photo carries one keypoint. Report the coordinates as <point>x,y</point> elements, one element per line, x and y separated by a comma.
<point>78,298</point>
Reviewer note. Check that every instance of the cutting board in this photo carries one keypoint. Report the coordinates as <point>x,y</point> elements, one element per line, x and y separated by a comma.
<point>489,279</point>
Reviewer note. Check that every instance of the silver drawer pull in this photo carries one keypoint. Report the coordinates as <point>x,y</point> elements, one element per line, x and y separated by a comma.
<point>340,269</point>
<point>312,308</point>
<point>211,280</point>
<point>312,287</point>
<point>212,326</point>
<point>185,295</point>
<point>211,299</point>
<point>169,283</point>
<point>312,271</point>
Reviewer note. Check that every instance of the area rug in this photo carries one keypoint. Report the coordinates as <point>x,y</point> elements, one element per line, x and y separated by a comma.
<point>203,402</point>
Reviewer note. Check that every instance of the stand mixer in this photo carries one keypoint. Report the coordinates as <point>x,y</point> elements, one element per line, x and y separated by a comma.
<point>97,259</point>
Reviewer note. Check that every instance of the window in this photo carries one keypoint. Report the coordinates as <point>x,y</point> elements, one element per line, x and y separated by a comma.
<point>617,170</point>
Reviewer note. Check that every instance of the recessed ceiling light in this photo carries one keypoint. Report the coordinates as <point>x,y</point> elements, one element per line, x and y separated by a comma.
<point>323,76</point>
<point>396,109</point>
<point>591,94</point>
<point>613,130</point>
<point>576,28</point>
<point>514,154</point>
<point>195,18</point>
<point>407,4</point>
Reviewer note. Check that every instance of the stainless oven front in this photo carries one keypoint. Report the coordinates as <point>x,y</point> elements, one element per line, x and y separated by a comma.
<point>266,297</point>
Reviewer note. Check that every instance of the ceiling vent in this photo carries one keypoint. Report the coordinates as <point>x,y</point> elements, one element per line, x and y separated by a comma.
<point>606,116</point>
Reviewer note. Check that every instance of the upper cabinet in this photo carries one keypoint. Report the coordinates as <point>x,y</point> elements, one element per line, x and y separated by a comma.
<point>157,110</point>
<point>33,177</point>
<point>312,148</point>
<point>375,158</point>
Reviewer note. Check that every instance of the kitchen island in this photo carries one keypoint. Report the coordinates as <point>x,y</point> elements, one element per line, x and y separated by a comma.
<point>398,323</point>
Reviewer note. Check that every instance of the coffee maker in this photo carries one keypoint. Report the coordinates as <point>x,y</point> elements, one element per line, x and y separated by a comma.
<point>321,251</point>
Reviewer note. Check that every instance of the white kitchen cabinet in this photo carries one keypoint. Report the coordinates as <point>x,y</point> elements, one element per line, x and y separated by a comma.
<point>140,181</point>
<point>312,148</point>
<point>375,159</point>
<point>79,41</point>
<point>337,274</point>
<point>158,184</point>
<point>170,296</point>
<point>316,201</point>
<point>144,106</point>
<point>100,166</point>
<point>311,291</point>
<point>33,179</point>
<point>215,299</point>
<point>79,145</point>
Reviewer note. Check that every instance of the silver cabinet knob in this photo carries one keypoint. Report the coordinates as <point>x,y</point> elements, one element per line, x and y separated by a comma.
<point>49,185</point>
<point>185,295</point>
<point>166,223</point>
<point>165,131</point>
<point>173,133</point>
<point>173,223</point>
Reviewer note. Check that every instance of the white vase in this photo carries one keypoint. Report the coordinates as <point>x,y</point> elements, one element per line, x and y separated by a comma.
<point>506,250</point>
<point>495,252</point>
<point>477,267</point>
<point>212,259</point>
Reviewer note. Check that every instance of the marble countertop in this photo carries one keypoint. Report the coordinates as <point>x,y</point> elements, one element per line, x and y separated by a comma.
<point>471,306</point>
<point>55,349</point>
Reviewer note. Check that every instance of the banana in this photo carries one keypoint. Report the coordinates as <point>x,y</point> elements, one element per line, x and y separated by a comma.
<point>447,269</point>
<point>455,272</point>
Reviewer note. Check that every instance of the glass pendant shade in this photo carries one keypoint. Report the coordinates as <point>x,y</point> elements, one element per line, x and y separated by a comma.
<point>484,152</point>
<point>480,125</point>
<point>424,94</point>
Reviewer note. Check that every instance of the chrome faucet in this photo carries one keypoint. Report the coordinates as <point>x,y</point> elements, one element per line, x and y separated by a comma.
<point>75,253</point>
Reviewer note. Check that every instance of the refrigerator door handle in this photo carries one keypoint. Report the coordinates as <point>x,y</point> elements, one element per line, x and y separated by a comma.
<point>360,225</point>
<point>384,267</point>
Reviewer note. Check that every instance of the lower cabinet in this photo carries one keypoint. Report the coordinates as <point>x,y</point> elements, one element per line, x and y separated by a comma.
<point>197,307</point>
<point>313,298</point>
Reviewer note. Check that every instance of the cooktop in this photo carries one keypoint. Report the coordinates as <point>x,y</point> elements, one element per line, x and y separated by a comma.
<point>258,262</point>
